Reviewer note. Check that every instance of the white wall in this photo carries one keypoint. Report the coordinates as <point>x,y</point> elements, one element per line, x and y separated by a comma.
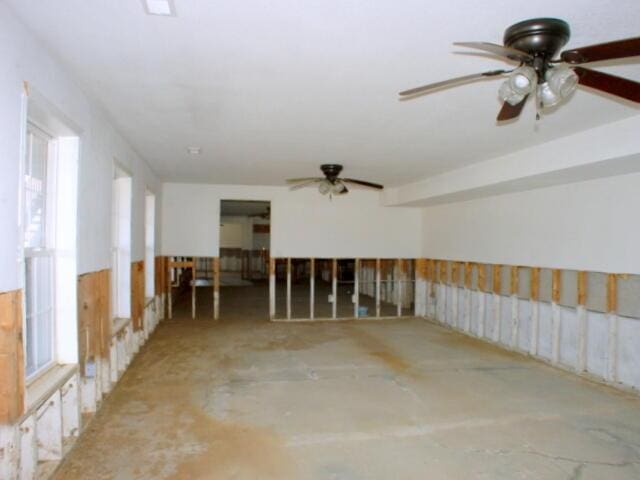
<point>592,225</point>
<point>303,223</point>
<point>25,59</point>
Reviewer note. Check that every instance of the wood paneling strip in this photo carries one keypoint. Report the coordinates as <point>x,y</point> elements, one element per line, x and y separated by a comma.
<point>137,294</point>
<point>11,357</point>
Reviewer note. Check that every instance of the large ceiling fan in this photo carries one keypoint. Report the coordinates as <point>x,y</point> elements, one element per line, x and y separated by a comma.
<point>535,44</point>
<point>331,183</point>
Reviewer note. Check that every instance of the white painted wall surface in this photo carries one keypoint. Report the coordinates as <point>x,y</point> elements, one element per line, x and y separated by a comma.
<point>591,225</point>
<point>303,223</point>
<point>25,59</point>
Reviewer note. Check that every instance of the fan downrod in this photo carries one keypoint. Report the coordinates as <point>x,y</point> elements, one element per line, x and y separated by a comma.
<point>540,37</point>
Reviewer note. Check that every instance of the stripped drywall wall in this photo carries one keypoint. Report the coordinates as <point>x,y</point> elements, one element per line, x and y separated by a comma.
<point>562,329</point>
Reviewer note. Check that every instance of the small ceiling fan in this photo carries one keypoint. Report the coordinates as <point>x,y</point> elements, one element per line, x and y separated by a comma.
<point>331,183</point>
<point>266,215</point>
<point>534,44</point>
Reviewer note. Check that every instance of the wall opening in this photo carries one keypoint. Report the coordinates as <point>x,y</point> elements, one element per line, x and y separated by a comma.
<point>121,243</point>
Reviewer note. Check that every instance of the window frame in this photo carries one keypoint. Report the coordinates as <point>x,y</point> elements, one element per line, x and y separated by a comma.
<point>47,250</point>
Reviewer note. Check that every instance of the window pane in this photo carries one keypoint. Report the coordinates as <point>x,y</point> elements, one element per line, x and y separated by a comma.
<point>35,179</point>
<point>39,312</point>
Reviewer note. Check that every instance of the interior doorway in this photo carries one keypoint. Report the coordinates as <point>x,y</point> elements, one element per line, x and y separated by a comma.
<point>245,241</point>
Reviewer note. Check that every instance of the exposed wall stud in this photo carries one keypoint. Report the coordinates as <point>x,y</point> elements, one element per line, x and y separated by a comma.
<point>455,290</point>
<point>288,288</point>
<point>535,310</point>
<point>612,320</point>
<point>468,273</point>
<point>556,277</point>
<point>216,287</point>
<point>497,302</point>
<point>398,282</point>
<point>515,320</point>
<point>356,289</point>
<point>312,288</point>
<point>378,281</point>
<point>334,288</point>
<point>581,313</point>
<point>482,298</point>
<point>272,288</point>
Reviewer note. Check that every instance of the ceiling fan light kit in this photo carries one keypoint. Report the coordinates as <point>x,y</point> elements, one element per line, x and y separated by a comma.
<point>331,184</point>
<point>535,44</point>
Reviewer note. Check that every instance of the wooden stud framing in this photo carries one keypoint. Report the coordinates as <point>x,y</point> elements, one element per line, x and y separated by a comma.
<point>468,274</point>
<point>356,289</point>
<point>444,274</point>
<point>535,309</point>
<point>497,302</point>
<point>193,288</point>
<point>312,288</point>
<point>612,317</point>
<point>272,288</point>
<point>288,288</point>
<point>514,281</point>
<point>482,277</point>
<point>581,312</point>
<point>612,293</point>
<point>216,287</point>
<point>515,319</point>
<point>582,288</point>
<point>556,278</point>
<point>535,283</point>
<point>334,288</point>
<point>497,279</point>
<point>378,284</point>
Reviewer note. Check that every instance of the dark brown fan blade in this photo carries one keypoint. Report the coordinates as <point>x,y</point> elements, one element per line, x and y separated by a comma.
<point>629,47</point>
<point>363,183</point>
<point>509,112</point>
<point>345,191</point>
<point>298,180</point>
<point>605,82</point>
<point>500,50</point>
<point>306,184</point>
<point>452,82</point>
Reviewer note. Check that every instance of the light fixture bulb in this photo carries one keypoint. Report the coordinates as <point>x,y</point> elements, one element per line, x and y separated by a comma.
<point>337,188</point>
<point>523,80</point>
<point>324,187</point>
<point>562,80</point>
<point>507,94</point>
<point>547,96</point>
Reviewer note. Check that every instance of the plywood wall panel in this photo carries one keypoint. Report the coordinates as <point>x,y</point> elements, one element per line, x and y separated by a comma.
<point>137,294</point>
<point>94,316</point>
<point>11,357</point>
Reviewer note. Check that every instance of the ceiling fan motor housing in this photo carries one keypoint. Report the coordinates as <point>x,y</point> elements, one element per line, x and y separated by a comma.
<point>542,37</point>
<point>331,171</point>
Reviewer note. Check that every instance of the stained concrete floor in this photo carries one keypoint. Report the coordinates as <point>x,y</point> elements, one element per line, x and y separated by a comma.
<point>393,399</point>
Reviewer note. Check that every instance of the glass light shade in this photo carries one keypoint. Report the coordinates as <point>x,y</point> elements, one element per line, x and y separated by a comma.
<point>523,80</point>
<point>507,94</point>
<point>324,187</point>
<point>562,80</point>
<point>547,96</point>
<point>337,188</point>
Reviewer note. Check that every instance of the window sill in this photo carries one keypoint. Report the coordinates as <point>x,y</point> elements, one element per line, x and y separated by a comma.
<point>43,387</point>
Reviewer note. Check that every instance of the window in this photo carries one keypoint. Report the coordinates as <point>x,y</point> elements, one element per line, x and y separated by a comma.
<point>39,237</point>
<point>149,236</point>
<point>121,244</point>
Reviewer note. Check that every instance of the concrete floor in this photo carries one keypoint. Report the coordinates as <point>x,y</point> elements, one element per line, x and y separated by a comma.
<point>393,399</point>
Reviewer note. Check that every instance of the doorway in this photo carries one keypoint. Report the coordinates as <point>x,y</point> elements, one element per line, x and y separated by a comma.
<point>245,240</point>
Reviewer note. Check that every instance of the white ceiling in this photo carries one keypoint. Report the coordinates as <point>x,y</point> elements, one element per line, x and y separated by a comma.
<point>271,89</point>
